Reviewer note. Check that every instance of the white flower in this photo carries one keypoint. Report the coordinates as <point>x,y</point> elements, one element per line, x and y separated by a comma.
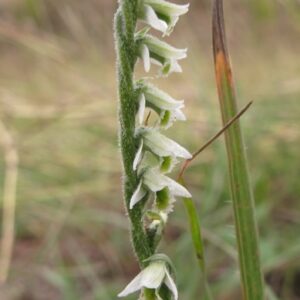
<point>152,277</point>
<point>162,146</point>
<point>164,149</point>
<point>168,108</point>
<point>161,15</point>
<point>154,50</point>
<point>163,187</point>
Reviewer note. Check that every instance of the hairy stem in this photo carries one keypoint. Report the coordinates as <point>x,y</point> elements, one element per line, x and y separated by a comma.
<point>125,23</point>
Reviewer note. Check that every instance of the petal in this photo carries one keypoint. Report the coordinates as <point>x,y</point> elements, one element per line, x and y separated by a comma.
<point>133,286</point>
<point>154,180</point>
<point>138,156</point>
<point>156,62</point>
<point>137,195</point>
<point>177,189</point>
<point>142,106</point>
<point>150,17</point>
<point>171,284</point>
<point>145,53</point>
<point>168,8</point>
<point>173,21</point>
<point>163,146</point>
<point>163,49</point>
<point>175,66</point>
<point>178,150</point>
<point>153,275</point>
<point>156,143</point>
<point>179,115</point>
<point>160,99</point>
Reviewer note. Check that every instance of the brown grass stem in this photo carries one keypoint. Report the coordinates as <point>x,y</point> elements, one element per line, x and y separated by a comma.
<point>9,201</point>
<point>212,139</point>
<point>241,190</point>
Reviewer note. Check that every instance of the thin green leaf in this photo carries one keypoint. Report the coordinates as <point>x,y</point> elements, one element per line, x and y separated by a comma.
<point>243,203</point>
<point>195,229</point>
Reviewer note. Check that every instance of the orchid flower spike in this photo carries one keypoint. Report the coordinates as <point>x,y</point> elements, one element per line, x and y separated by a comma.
<point>161,15</point>
<point>164,188</point>
<point>168,108</point>
<point>161,53</point>
<point>152,277</point>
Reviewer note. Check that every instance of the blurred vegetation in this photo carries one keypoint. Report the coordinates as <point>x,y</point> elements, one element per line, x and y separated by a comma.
<point>58,100</point>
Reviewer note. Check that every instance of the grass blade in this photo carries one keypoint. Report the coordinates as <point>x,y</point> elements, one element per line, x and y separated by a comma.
<point>197,239</point>
<point>243,203</point>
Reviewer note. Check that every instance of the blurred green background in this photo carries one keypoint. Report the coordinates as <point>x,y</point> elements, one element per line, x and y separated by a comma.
<point>58,101</point>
